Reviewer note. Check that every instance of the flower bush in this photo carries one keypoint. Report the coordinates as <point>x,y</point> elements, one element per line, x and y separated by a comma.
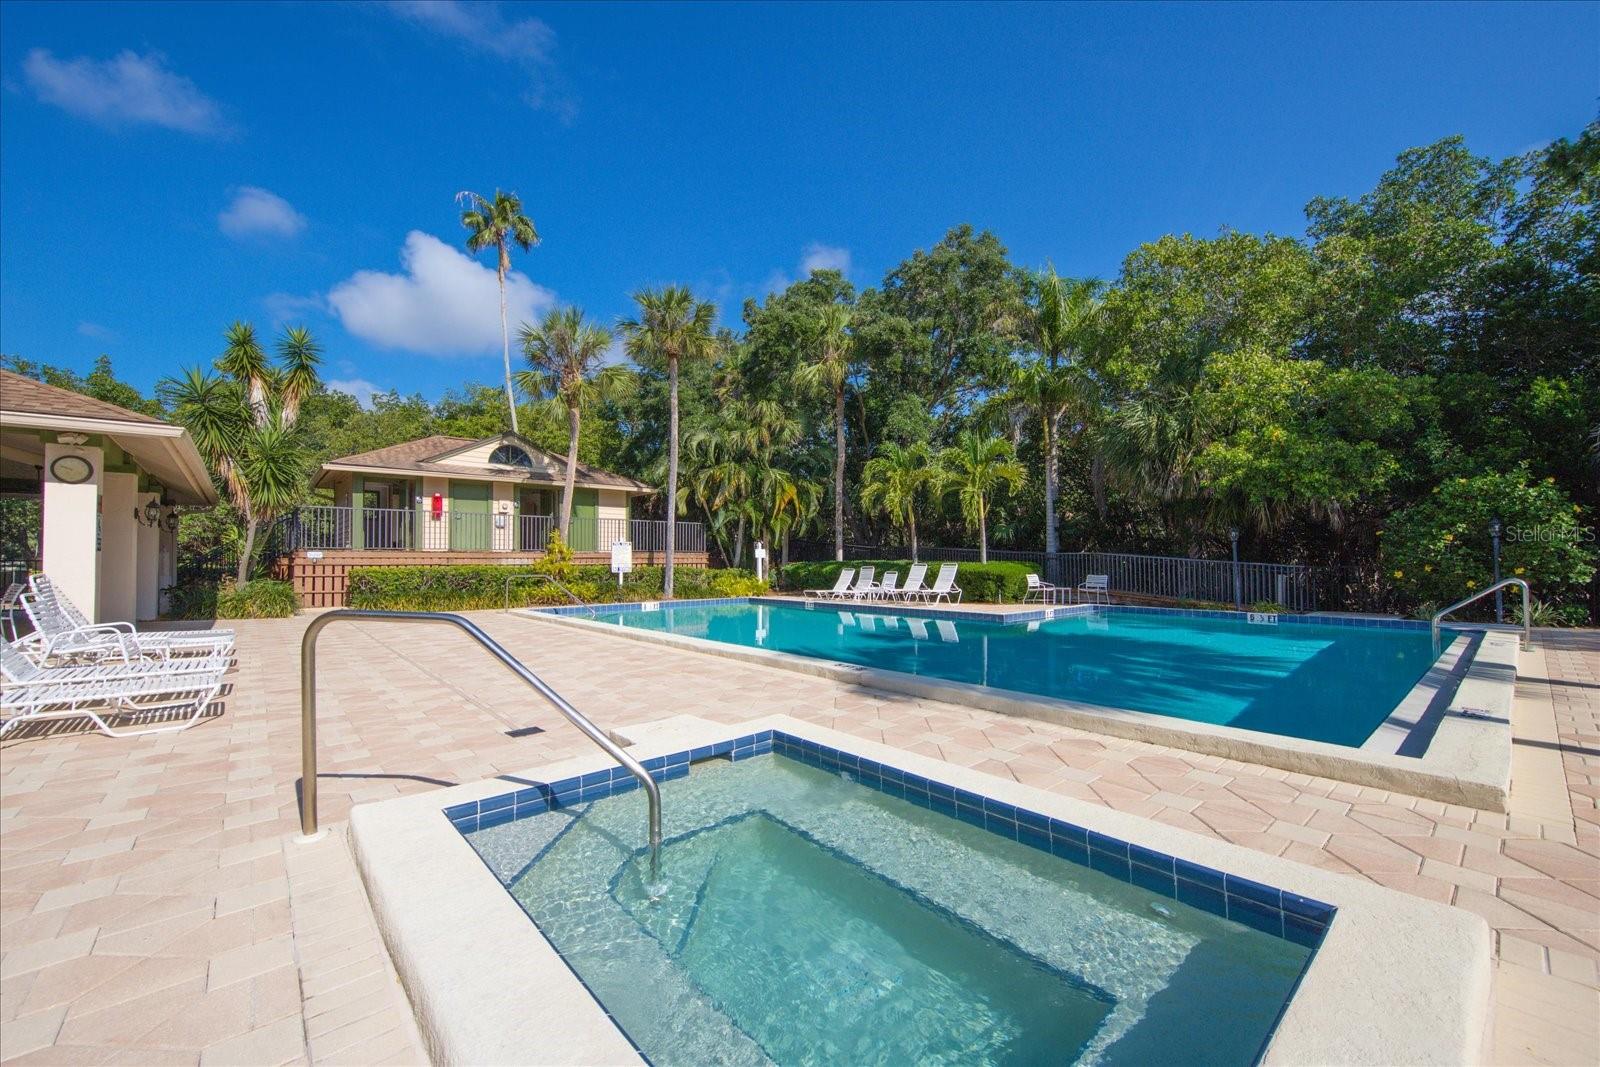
<point>1438,549</point>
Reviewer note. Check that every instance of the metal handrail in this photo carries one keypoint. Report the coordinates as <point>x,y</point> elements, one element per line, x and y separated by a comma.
<point>545,577</point>
<point>308,714</point>
<point>1527,615</point>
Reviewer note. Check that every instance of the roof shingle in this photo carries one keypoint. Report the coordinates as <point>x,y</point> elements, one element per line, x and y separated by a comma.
<point>25,395</point>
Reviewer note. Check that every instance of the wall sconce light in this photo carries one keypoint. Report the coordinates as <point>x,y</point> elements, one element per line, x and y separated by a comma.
<point>171,520</point>
<point>148,515</point>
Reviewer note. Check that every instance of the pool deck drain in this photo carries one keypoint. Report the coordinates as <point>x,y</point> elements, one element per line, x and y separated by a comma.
<point>148,886</point>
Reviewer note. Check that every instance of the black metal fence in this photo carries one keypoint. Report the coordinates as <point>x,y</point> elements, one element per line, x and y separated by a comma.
<point>1178,578</point>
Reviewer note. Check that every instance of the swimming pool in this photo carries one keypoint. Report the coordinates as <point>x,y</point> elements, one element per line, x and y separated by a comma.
<point>1316,682</point>
<point>821,908</point>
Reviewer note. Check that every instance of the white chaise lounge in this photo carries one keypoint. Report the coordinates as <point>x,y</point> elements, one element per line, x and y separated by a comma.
<point>61,630</point>
<point>108,690</point>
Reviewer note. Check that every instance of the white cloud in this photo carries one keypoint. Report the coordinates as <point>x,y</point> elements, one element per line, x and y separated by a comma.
<point>815,256</point>
<point>818,256</point>
<point>128,88</point>
<point>359,388</point>
<point>443,303</point>
<point>286,308</point>
<point>257,212</point>
<point>482,27</point>
<point>97,331</point>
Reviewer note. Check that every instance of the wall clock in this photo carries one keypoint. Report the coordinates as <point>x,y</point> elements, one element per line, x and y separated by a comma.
<point>74,470</point>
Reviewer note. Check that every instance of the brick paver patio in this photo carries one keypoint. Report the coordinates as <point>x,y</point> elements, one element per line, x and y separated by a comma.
<point>154,906</point>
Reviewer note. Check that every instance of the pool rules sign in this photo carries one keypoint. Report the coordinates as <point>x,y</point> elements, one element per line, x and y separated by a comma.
<point>621,559</point>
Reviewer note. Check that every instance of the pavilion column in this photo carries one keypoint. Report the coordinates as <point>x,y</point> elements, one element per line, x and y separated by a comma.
<point>119,547</point>
<point>147,585</point>
<point>70,538</point>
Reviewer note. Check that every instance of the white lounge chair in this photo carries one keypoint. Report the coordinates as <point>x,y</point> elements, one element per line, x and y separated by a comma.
<point>108,690</point>
<point>1097,586</point>
<point>60,629</point>
<point>1039,589</point>
<point>944,585</point>
<point>886,589</point>
<point>840,584</point>
<point>913,586</point>
<point>863,585</point>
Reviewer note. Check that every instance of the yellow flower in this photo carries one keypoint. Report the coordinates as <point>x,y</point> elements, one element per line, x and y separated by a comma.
<point>1399,574</point>
<point>1448,538</point>
<point>1428,567</point>
<point>1471,584</point>
<point>1461,481</point>
<point>1519,570</point>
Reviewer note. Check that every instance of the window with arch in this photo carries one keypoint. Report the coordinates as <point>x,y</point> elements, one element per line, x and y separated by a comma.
<point>510,456</point>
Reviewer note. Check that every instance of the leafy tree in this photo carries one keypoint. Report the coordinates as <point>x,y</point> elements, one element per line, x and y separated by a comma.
<point>243,423</point>
<point>976,469</point>
<point>671,327</point>
<point>498,224</point>
<point>894,479</point>
<point>565,354</point>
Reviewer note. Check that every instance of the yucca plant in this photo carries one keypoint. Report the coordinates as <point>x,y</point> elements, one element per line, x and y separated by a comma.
<point>499,224</point>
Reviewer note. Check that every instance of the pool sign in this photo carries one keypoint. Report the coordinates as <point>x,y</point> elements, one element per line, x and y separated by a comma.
<point>621,559</point>
<point>761,560</point>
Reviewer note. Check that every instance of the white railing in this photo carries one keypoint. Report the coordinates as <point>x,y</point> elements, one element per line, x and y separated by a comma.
<point>406,529</point>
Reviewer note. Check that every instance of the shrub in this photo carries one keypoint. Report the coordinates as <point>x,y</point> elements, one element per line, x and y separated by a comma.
<point>473,587</point>
<point>996,583</point>
<point>260,599</point>
<point>1438,549</point>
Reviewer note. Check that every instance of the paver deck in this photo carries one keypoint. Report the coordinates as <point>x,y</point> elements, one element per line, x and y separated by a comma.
<point>154,906</point>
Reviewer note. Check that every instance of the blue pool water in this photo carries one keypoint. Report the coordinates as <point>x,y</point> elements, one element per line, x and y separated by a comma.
<point>1320,683</point>
<point>805,918</point>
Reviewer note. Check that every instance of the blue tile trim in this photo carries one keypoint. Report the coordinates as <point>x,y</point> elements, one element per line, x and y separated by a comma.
<point>1263,907</point>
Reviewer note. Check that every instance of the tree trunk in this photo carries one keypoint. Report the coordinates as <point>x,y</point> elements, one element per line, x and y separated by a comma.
<point>738,543</point>
<point>1052,541</point>
<point>243,574</point>
<point>672,475</point>
<point>983,534</point>
<point>505,335</point>
<point>785,548</point>
<point>838,474</point>
<point>572,472</point>
<point>911,523</point>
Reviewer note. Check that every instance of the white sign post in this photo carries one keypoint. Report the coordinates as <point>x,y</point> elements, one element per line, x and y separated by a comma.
<point>621,559</point>
<point>761,561</point>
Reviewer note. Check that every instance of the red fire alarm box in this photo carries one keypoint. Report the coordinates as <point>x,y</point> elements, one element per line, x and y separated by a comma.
<point>437,507</point>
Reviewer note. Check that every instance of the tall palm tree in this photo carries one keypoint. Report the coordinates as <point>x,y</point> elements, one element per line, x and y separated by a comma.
<point>975,469</point>
<point>671,326</point>
<point>1062,322</point>
<point>564,355</point>
<point>826,372</point>
<point>893,479</point>
<point>243,423</point>
<point>498,224</point>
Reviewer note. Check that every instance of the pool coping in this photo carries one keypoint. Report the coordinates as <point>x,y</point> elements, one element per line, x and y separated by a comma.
<point>1461,708</point>
<point>1395,979</point>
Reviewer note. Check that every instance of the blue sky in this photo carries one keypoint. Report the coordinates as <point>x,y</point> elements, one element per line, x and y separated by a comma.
<point>166,169</point>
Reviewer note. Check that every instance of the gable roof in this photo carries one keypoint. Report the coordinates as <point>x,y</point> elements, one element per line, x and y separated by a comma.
<point>20,393</point>
<point>163,449</point>
<point>423,456</point>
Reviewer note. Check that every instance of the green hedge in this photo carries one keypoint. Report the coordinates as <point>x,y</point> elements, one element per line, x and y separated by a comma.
<point>986,583</point>
<point>260,599</point>
<point>466,588</point>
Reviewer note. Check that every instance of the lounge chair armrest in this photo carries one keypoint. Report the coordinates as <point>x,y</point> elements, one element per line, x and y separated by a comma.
<point>113,638</point>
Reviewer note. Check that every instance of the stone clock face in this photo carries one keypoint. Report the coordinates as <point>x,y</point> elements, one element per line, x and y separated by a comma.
<point>71,469</point>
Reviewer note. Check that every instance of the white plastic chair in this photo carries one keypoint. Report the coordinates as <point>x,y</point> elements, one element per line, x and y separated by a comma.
<point>944,585</point>
<point>1039,589</point>
<point>863,586</point>
<point>886,589</point>
<point>840,584</point>
<point>60,629</point>
<point>107,690</point>
<point>1097,586</point>
<point>913,586</point>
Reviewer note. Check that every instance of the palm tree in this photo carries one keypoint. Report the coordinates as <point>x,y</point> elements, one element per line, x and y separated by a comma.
<point>243,423</point>
<point>827,372</point>
<point>672,326</point>
<point>892,480</point>
<point>975,469</point>
<point>498,224</point>
<point>564,354</point>
<point>1062,320</point>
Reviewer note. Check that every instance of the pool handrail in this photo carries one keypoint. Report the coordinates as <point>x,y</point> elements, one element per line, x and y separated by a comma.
<point>1527,615</point>
<point>308,714</point>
